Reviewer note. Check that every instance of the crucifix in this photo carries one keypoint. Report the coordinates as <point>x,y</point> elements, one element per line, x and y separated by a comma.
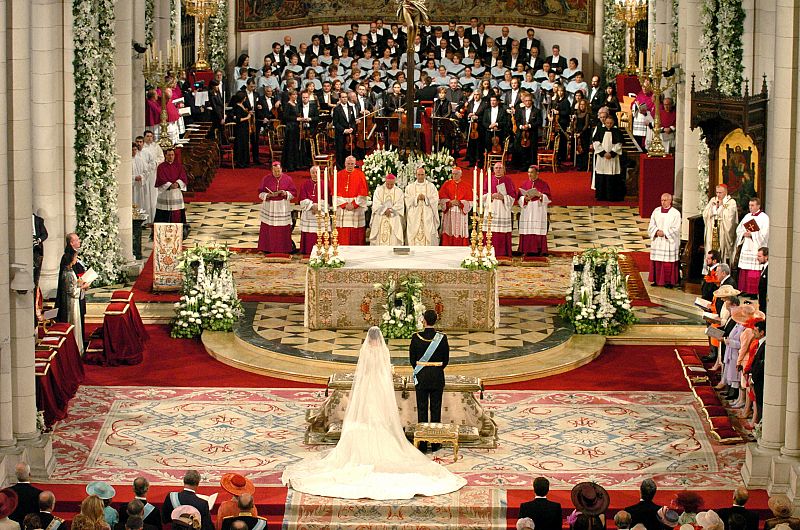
<point>413,14</point>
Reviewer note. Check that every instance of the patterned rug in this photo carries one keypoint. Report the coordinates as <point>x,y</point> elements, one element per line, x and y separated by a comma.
<point>469,509</point>
<point>615,438</point>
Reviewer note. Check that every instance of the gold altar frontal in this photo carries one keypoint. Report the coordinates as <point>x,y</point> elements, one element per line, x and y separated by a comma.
<point>461,411</point>
<point>347,298</point>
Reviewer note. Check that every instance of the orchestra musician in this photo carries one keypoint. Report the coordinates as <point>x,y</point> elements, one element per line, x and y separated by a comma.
<point>254,103</point>
<point>344,124</point>
<point>471,115</point>
<point>291,159</point>
<point>393,106</point>
<point>327,99</point>
<point>496,124</point>
<point>308,118</point>
<point>442,130</point>
<point>561,112</point>
<point>241,117</point>
<point>527,137</point>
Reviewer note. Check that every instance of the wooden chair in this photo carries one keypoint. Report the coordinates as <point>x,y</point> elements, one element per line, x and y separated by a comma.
<point>548,156</point>
<point>319,158</point>
<point>492,158</point>
<point>276,143</point>
<point>226,145</point>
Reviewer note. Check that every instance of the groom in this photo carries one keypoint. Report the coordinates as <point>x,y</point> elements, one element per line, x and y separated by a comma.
<point>429,354</point>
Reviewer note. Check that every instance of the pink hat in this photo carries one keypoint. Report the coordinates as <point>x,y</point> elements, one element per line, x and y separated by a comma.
<point>185,510</point>
<point>390,176</point>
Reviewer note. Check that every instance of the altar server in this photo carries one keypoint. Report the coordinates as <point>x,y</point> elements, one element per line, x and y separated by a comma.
<point>752,234</point>
<point>143,187</point>
<point>388,211</point>
<point>422,211</point>
<point>534,198</point>
<point>171,180</point>
<point>609,181</point>
<point>310,193</point>
<point>455,200</point>
<point>499,198</point>
<point>720,217</point>
<point>351,195</point>
<point>276,193</point>
<point>665,243</point>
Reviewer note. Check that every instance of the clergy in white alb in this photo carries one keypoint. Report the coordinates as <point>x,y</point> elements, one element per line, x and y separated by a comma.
<point>455,200</point>
<point>665,243</point>
<point>752,234</point>
<point>143,186</point>
<point>388,210</point>
<point>534,198</point>
<point>422,211</point>
<point>310,194</point>
<point>154,155</point>
<point>499,197</point>
<point>721,217</point>
<point>276,192</point>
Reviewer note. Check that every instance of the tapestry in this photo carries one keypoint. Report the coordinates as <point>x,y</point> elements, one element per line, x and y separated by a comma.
<point>167,248</point>
<point>568,15</point>
<point>119,433</point>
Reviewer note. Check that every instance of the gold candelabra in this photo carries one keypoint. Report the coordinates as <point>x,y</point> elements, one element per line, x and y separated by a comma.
<point>156,71</point>
<point>653,74</point>
<point>481,246</point>
<point>201,10</point>
<point>631,12</point>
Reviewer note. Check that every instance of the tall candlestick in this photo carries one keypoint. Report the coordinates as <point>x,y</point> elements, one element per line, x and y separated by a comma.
<point>335,188</point>
<point>480,203</point>
<point>325,190</point>
<point>641,61</point>
<point>475,189</point>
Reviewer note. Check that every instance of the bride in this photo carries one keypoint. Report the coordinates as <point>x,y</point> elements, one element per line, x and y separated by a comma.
<point>373,458</point>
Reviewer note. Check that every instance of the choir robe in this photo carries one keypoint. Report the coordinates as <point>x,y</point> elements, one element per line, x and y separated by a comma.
<point>726,216</point>
<point>309,196</point>
<point>665,250</point>
<point>387,229</point>
<point>533,223</point>
<point>351,224</point>
<point>422,216</point>
<point>455,219</point>
<point>501,212</point>
<point>169,204</point>
<point>749,267</point>
<point>276,214</point>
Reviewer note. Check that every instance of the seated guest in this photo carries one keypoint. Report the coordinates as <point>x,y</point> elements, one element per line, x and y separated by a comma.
<point>688,504</point>
<point>709,520</point>
<point>47,503</point>
<point>31,522</point>
<point>545,513</point>
<point>622,520</point>
<point>740,497</point>
<point>591,502</point>
<point>132,517</point>
<point>187,498</point>
<point>8,503</point>
<point>781,508</point>
<point>645,511</point>
<point>27,494</point>
<point>241,489</point>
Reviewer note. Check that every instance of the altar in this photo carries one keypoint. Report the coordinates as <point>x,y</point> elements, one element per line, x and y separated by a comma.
<point>347,297</point>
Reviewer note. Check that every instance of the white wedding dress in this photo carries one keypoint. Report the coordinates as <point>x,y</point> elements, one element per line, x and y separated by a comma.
<point>373,458</point>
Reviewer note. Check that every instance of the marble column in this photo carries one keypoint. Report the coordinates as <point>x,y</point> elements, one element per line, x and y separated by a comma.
<point>123,78</point>
<point>748,41</point>
<point>690,32</point>
<point>234,44</point>
<point>161,23</point>
<point>137,89</point>
<point>68,95</point>
<point>597,42</point>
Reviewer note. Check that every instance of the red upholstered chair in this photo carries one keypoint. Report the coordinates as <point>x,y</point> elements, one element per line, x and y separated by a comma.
<point>60,328</point>
<point>122,343</point>
<point>47,394</point>
<point>127,297</point>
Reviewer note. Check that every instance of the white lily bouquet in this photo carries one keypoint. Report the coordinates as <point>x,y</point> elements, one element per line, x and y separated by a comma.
<point>597,300</point>
<point>486,262</point>
<point>380,163</point>
<point>320,259</point>
<point>403,309</point>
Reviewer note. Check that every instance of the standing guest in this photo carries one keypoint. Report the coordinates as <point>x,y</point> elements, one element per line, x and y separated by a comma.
<point>665,242</point>
<point>422,211</point>
<point>27,494</point>
<point>291,159</point>
<point>215,108</point>
<point>645,511</point>
<point>455,201</point>
<point>388,214</point>
<point>429,354</point>
<point>500,196</point>
<point>106,494</point>
<point>310,193</point>
<point>238,486</point>
<point>740,497</point>
<point>763,260</point>
<point>720,217</point>
<point>276,193</point>
<point>609,182</point>
<point>752,234</point>
<point>583,135</point>
<point>344,124</point>
<point>533,224</point>
<point>241,117</point>
<point>642,109</point>
<point>781,508</point>
<point>171,181</point>
<point>351,204</point>
<point>756,369</point>
<point>144,167</point>
<point>155,156</point>
<point>710,281</point>
<point>39,237</point>
<point>148,512</point>
<point>545,513</point>
<point>187,497</point>
<point>70,289</point>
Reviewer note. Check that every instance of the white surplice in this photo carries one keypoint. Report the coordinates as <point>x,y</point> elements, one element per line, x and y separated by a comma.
<point>387,221</point>
<point>666,247</point>
<point>748,257</point>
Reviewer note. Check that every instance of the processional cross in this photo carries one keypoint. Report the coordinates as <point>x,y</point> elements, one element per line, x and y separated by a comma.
<point>412,14</point>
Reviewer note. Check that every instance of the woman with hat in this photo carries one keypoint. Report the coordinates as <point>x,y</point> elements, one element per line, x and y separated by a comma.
<point>185,517</point>
<point>781,508</point>
<point>687,503</point>
<point>8,503</point>
<point>91,516</point>
<point>236,485</point>
<point>746,317</point>
<point>106,492</point>
<point>591,502</point>
<point>729,377</point>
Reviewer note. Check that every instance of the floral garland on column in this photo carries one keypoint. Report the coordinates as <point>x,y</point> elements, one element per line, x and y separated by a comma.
<point>173,20</point>
<point>702,174</point>
<point>96,158</point>
<point>613,41</point>
<point>675,24</point>
<point>730,24</point>
<point>708,41</point>
<point>218,37</point>
<point>149,21</point>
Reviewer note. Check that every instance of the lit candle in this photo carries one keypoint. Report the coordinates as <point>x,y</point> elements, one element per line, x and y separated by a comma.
<point>480,189</point>
<point>641,61</point>
<point>335,187</point>
<point>325,190</point>
<point>475,189</point>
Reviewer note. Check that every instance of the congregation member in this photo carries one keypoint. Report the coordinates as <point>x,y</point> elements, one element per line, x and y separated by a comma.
<point>105,492</point>
<point>240,488</point>
<point>645,511</point>
<point>69,293</point>
<point>8,504</point>
<point>27,493</point>
<point>147,511</point>
<point>310,193</point>
<point>763,260</point>
<point>546,514</point>
<point>171,182</point>
<point>185,498</point>
<point>47,503</point>
<point>388,214</point>
<point>351,204</point>
<point>499,197</point>
<point>276,192</point>
<point>455,201</point>
<point>240,116</point>
<point>720,217</point>
<point>740,498</point>
<point>422,211</point>
<point>751,234</point>
<point>756,370</point>
<point>781,508</point>
<point>665,241</point>
<point>609,180</point>
<point>534,199</point>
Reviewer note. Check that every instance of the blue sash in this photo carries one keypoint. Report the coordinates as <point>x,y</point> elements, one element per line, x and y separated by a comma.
<point>426,357</point>
<point>260,525</point>
<point>148,509</point>
<point>173,498</point>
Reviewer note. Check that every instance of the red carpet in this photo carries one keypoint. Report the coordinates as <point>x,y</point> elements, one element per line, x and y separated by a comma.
<point>569,188</point>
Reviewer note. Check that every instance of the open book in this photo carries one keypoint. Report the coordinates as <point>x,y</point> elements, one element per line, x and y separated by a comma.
<point>210,499</point>
<point>702,303</point>
<point>89,276</point>
<point>712,317</point>
<point>715,333</point>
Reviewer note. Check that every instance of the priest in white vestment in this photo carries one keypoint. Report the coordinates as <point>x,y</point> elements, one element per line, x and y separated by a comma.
<point>144,191</point>
<point>665,244</point>
<point>499,197</point>
<point>752,234</point>
<point>154,156</point>
<point>388,210</point>
<point>422,211</point>
<point>720,217</point>
<point>533,224</point>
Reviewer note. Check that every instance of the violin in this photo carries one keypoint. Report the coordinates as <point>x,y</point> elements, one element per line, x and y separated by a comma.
<point>497,149</point>
<point>525,139</point>
<point>349,144</point>
<point>473,130</point>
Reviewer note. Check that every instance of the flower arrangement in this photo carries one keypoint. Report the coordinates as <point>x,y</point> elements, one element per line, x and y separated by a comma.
<point>403,310</point>
<point>149,21</point>
<point>702,174</point>
<point>378,164</point>
<point>613,41</point>
<point>486,262</point>
<point>209,299</point>
<point>438,167</point>
<point>218,36</point>
<point>96,160</point>
<point>319,259</point>
<point>730,28</point>
<point>708,40</point>
<point>675,25</point>
<point>597,301</point>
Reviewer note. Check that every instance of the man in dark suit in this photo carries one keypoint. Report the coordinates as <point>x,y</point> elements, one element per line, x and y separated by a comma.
<point>471,115</point>
<point>596,95</point>
<point>763,259</point>
<point>645,511</point>
<point>47,503</point>
<point>557,62</point>
<point>215,107</point>
<point>530,41</point>
<point>546,514</point>
<point>725,278</point>
<point>148,512</point>
<point>132,517</point>
<point>39,237</point>
<point>287,49</point>
<point>344,123</point>
<point>740,496</point>
<point>528,119</point>
<point>429,354</point>
<point>187,497</point>
<point>496,123</point>
<point>27,494</point>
